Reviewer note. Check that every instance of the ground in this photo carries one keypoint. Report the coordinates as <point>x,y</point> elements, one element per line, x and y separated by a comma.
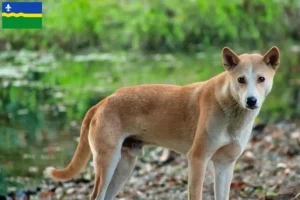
<point>269,169</point>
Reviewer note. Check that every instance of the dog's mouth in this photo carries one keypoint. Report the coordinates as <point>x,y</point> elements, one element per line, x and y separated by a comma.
<point>251,107</point>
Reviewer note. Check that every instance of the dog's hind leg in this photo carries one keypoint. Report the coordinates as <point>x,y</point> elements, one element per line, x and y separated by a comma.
<point>105,165</point>
<point>105,141</point>
<point>121,174</point>
<point>131,149</point>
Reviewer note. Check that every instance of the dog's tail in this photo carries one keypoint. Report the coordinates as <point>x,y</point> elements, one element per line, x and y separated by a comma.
<point>81,156</point>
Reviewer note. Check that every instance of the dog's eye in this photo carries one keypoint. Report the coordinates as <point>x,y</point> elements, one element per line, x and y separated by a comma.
<point>261,79</point>
<point>241,80</point>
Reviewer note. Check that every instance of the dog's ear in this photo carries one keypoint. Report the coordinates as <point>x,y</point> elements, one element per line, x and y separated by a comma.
<point>272,58</point>
<point>230,59</point>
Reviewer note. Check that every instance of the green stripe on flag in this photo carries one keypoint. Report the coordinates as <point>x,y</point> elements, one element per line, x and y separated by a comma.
<point>21,22</point>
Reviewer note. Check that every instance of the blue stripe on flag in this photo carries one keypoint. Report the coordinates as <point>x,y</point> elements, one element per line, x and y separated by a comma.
<point>24,7</point>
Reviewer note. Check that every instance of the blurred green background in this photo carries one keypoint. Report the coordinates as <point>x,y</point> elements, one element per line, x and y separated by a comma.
<point>87,49</point>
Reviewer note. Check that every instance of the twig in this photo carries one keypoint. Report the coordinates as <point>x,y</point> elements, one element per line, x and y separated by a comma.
<point>295,198</point>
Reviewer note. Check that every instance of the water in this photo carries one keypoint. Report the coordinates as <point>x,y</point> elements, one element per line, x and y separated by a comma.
<point>44,97</point>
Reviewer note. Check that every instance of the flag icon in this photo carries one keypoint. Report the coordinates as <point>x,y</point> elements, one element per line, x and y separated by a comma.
<point>18,15</point>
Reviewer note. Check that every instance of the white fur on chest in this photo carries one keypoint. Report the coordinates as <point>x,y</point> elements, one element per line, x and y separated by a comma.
<point>222,132</point>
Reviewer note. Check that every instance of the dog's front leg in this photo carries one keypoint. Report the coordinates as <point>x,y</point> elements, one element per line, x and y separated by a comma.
<point>223,176</point>
<point>198,156</point>
<point>197,167</point>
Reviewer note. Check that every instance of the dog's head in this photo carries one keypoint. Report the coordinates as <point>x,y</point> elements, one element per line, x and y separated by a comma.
<point>251,75</point>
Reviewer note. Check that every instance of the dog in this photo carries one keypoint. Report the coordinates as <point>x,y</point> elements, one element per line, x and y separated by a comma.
<point>210,120</point>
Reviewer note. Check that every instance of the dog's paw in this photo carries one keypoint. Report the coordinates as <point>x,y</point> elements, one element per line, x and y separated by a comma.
<point>48,172</point>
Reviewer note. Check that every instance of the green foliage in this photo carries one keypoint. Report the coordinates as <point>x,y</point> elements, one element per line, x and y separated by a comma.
<point>158,25</point>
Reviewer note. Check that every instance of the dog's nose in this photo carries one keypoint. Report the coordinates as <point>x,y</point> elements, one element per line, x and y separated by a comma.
<point>251,101</point>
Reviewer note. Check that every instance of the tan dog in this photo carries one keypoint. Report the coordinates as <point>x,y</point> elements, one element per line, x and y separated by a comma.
<point>209,120</point>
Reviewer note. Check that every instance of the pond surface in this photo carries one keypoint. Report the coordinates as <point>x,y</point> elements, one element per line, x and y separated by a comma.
<point>44,97</point>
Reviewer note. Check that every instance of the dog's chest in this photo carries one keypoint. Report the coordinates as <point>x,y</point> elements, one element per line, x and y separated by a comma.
<point>239,131</point>
<point>223,131</point>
